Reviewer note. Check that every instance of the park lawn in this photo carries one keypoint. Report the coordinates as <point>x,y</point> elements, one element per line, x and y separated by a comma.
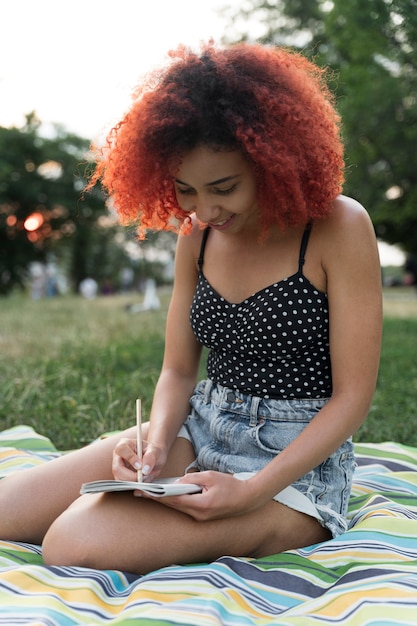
<point>72,368</point>
<point>393,414</point>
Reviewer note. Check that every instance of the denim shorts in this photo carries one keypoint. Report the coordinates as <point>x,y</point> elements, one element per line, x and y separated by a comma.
<point>239,434</point>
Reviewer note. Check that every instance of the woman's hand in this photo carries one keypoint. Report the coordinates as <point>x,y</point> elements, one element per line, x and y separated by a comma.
<point>126,462</point>
<point>222,496</point>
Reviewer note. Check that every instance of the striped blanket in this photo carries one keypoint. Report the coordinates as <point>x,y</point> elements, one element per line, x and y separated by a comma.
<point>366,576</point>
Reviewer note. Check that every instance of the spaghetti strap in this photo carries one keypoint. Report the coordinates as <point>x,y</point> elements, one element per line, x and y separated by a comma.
<point>303,247</point>
<point>203,247</point>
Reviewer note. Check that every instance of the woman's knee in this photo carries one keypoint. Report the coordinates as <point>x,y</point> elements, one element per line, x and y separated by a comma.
<point>73,539</point>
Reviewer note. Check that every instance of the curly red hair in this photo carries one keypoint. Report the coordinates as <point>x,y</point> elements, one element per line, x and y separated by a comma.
<point>271,103</point>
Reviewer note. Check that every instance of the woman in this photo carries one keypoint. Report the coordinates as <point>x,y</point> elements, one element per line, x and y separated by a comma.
<point>278,275</point>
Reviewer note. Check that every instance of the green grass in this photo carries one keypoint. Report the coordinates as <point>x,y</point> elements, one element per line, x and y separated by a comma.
<point>393,415</point>
<point>73,368</point>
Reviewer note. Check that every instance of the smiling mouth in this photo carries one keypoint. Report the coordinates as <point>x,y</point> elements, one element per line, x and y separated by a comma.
<point>222,222</point>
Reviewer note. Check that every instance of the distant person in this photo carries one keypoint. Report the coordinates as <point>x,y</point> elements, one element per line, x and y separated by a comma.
<point>51,280</point>
<point>127,276</point>
<point>410,268</point>
<point>37,277</point>
<point>107,288</point>
<point>88,288</point>
<point>150,302</point>
<point>278,275</point>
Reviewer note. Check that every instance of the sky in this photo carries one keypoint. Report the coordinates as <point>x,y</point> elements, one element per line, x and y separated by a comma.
<point>76,62</point>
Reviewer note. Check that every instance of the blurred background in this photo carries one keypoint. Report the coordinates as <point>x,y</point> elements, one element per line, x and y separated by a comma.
<point>67,70</point>
<point>82,303</point>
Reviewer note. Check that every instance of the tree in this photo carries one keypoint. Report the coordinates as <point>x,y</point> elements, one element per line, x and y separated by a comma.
<point>42,210</point>
<point>372,48</point>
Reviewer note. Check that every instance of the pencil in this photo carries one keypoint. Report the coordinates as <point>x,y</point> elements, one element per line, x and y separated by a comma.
<point>139,436</point>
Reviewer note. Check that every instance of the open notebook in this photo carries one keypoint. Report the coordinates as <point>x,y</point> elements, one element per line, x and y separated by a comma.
<point>164,487</point>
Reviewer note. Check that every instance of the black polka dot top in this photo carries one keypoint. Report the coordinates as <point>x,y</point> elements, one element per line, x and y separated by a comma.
<point>274,344</point>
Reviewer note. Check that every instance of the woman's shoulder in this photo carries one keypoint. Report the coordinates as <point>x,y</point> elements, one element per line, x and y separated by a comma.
<point>348,209</point>
<point>349,218</point>
<point>346,238</point>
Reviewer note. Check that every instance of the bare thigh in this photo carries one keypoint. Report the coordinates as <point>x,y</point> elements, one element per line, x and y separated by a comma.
<point>120,531</point>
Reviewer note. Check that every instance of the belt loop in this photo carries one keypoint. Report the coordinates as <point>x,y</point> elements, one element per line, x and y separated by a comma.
<point>207,391</point>
<point>254,411</point>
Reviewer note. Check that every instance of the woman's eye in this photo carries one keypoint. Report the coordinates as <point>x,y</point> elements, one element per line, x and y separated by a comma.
<point>185,192</point>
<point>188,191</point>
<point>225,192</point>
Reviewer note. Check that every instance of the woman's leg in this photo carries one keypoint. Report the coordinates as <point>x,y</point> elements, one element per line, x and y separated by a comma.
<point>30,500</point>
<point>119,531</point>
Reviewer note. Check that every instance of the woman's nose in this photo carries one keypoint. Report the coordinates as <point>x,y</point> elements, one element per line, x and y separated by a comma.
<point>206,211</point>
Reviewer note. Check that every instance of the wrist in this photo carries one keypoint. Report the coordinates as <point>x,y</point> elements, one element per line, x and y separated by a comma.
<point>261,489</point>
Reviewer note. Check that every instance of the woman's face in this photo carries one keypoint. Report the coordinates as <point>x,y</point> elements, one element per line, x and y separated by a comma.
<point>219,187</point>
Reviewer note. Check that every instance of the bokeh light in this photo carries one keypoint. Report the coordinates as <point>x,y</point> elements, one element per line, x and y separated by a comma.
<point>33,222</point>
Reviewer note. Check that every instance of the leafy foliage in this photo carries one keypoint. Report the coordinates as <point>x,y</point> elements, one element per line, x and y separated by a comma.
<point>41,178</point>
<point>371,47</point>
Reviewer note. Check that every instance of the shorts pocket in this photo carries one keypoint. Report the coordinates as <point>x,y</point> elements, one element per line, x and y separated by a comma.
<point>274,435</point>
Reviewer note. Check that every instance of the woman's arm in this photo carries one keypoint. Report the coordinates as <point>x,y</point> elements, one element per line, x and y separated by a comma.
<point>351,264</point>
<point>182,352</point>
<point>178,375</point>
